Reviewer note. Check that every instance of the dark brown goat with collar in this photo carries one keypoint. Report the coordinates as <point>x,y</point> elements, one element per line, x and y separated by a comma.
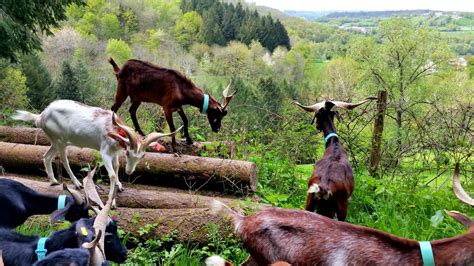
<point>332,182</point>
<point>145,82</point>
<point>304,238</point>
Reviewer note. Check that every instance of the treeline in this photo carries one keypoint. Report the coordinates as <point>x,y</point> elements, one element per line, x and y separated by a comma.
<point>374,14</point>
<point>222,23</point>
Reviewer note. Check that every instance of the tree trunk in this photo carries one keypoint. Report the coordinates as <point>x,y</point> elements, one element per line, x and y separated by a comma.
<point>36,136</point>
<point>375,154</point>
<point>186,225</point>
<point>137,196</point>
<point>185,171</point>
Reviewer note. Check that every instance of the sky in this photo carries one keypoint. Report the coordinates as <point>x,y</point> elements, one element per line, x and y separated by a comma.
<point>357,5</point>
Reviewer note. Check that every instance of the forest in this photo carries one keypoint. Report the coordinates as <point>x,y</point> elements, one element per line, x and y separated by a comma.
<point>422,62</point>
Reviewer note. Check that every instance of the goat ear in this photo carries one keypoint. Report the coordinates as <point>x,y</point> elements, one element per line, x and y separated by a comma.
<point>84,231</point>
<point>461,218</point>
<point>59,215</point>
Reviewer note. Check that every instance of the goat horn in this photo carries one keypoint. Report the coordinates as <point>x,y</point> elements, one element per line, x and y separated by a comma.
<point>102,218</point>
<point>75,194</point>
<point>350,106</point>
<point>128,131</point>
<point>90,189</point>
<point>97,254</point>
<point>155,135</point>
<point>227,97</point>
<point>311,108</point>
<point>459,190</point>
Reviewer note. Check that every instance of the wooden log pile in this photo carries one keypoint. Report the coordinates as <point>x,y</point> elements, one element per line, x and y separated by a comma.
<point>185,215</point>
<point>157,168</point>
<point>35,136</point>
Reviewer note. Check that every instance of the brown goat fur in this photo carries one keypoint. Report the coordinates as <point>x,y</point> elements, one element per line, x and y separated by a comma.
<point>305,238</point>
<point>332,181</point>
<point>145,82</point>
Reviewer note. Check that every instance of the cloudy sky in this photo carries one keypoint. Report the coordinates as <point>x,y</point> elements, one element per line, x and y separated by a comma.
<point>328,5</point>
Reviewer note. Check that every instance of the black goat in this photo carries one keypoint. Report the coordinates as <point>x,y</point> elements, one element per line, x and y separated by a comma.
<point>18,202</point>
<point>20,250</point>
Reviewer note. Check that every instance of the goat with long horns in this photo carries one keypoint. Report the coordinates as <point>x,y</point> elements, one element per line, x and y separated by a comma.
<point>332,182</point>
<point>145,82</point>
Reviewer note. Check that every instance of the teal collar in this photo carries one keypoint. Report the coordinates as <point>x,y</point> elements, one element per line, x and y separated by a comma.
<point>427,253</point>
<point>205,105</point>
<point>61,201</point>
<point>330,135</point>
<point>40,250</point>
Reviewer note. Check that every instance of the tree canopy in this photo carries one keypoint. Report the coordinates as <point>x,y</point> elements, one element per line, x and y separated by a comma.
<point>23,21</point>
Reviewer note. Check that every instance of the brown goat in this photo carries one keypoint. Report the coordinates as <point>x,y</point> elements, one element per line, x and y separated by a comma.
<point>305,238</point>
<point>332,182</point>
<point>145,82</point>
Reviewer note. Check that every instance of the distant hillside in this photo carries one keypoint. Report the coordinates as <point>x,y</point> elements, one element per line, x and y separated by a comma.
<point>372,14</point>
<point>309,15</point>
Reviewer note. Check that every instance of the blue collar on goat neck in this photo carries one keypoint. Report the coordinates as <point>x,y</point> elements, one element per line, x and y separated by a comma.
<point>205,105</point>
<point>427,253</point>
<point>40,250</point>
<point>330,135</point>
<point>61,201</point>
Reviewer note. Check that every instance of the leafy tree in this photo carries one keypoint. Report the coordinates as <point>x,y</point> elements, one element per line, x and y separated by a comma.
<point>39,81</point>
<point>110,26</point>
<point>132,24</point>
<point>119,50</point>
<point>85,88</point>
<point>187,28</point>
<point>399,57</point>
<point>13,89</point>
<point>211,32</point>
<point>67,85</point>
<point>22,21</point>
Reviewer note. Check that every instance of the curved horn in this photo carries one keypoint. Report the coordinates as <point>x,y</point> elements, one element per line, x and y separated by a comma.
<point>350,106</point>
<point>75,194</point>
<point>311,108</point>
<point>97,254</point>
<point>102,218</point>
<point>227,97</point>
<point>90,189</point>
<point>459,190</point>
<point>128,131</point>
<point>154,136</point>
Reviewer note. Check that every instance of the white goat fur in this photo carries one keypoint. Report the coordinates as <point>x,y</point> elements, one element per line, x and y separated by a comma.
<point>68,122</point>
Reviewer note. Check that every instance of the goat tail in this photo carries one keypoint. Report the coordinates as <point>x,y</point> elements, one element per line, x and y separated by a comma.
<point>26,116</point>
<point>218,207</point>
<point>215,260</point>
<point>114,65</point>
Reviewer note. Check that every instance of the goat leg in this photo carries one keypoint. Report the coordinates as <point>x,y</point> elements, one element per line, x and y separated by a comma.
<point>133,115</point>
<point>181,113</point>
<point>48,164</point>
<point>65,161</point>
<point>169,120</point>
<point>310,202</point>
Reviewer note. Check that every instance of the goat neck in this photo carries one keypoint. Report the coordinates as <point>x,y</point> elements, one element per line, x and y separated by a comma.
<point>39,203</point>
<point>326,124</point>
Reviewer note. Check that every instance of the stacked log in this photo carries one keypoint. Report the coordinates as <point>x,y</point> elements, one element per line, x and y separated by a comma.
<point>36,136</point>
<point>184,215</point>
<point>158,168</point>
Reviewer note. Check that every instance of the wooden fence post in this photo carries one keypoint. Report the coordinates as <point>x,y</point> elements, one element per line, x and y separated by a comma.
<point>375,154</point>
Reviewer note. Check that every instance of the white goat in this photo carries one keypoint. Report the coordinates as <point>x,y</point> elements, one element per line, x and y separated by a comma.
<point>68,122</point>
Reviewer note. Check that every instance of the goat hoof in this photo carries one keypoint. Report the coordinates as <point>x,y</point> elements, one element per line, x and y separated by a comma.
<point>189,141</point>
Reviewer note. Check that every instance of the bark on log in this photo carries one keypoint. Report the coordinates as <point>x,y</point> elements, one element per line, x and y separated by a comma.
<point>184,171</point>
<point>36,136</point>
<point>186,225</point>
<point>136,196</point>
